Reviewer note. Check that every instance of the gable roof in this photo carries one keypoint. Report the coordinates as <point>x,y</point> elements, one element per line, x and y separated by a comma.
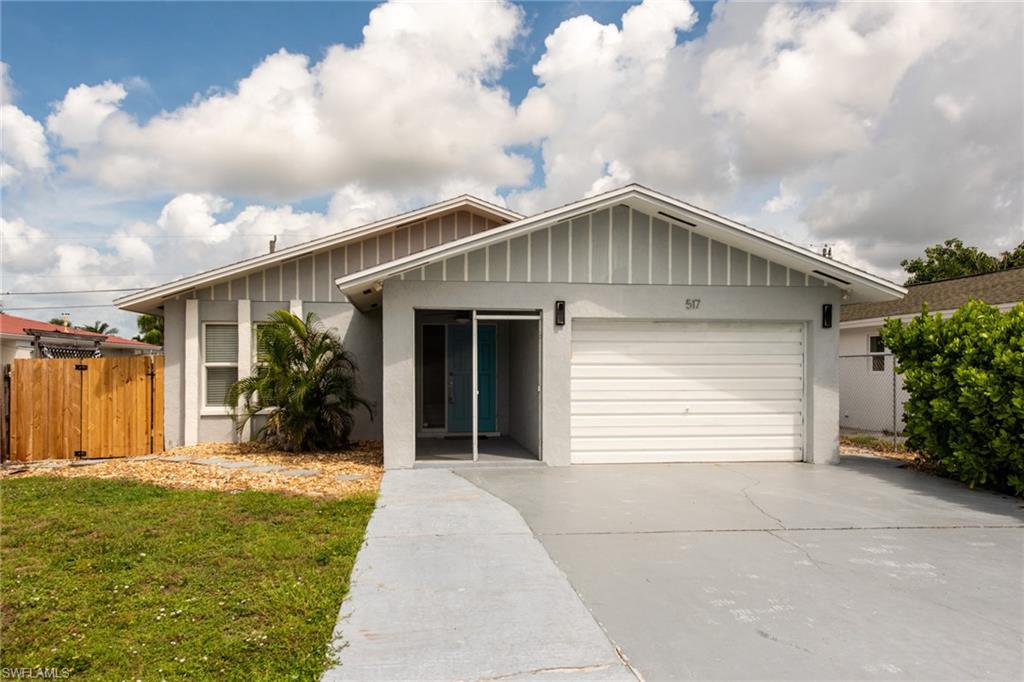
<point>11,325</point>
<point>994,288</point>
<point>361,287</point>
<point>149,299</point>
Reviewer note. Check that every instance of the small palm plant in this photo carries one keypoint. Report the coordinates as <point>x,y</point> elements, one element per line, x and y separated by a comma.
<point>306,382</point>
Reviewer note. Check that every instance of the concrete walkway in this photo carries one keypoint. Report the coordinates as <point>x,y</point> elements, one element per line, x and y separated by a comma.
<point>452,585</point>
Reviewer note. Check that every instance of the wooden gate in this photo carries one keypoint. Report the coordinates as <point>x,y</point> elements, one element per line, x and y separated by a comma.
<point>94,407</point>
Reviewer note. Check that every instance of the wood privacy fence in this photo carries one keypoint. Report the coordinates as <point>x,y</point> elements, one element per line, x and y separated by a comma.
<point>94,407</point>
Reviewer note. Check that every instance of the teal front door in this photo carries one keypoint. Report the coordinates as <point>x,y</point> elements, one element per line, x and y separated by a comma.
<point>460,378</point>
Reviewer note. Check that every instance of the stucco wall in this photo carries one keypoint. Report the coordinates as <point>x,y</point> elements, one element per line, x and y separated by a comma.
<point>360,332</point>
<point>799,304</point>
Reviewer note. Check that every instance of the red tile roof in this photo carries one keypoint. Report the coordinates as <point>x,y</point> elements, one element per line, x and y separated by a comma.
<point>11,324</point>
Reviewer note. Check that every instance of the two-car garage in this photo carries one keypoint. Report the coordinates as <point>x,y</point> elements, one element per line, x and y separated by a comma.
<point>679,391</point>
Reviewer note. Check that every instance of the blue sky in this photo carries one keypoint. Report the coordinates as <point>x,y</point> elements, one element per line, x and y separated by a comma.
<point>183,48</point>
<point>144,141</point>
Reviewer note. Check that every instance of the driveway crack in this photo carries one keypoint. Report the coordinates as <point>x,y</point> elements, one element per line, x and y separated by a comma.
<point>755,482</point>
<point>557,669</point>
<point>817,564</point>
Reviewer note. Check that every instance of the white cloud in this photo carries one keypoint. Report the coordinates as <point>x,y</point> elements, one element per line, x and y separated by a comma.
<point>24,152</point>
<point>22,248</point>
<point>78,119</point>
<point>413,106</point>
<point>856,124</point>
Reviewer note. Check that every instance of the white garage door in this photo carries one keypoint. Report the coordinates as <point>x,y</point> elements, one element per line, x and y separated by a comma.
<point>647,391</point>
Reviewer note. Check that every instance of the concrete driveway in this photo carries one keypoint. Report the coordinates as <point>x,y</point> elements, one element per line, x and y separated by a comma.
<point>768,571</point>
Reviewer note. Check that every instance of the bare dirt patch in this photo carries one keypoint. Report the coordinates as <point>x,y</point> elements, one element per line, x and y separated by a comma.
<point>362,465</point>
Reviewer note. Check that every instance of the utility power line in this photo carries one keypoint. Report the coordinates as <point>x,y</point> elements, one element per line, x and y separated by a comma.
<point>55,307</point>
<point>70,291</point>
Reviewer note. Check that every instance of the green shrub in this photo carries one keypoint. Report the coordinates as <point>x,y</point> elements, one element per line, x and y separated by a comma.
<point>965,377</point>
<point>304,381</point>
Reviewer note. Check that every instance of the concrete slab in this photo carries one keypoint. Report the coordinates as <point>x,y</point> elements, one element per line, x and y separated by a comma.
<point>145,458</point>
<point>350,477</point>
<point>235,464</point>
<point>207,461</point>
<point>265,468</point>
<point>177,458</point>
<point>452,585</point>
<point>785,571</point>
<point>293,473</point>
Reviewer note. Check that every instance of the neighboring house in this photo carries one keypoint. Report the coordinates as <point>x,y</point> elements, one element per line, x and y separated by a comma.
<point>867,381</point>
<point>21,337</point>
<point>624,327</point>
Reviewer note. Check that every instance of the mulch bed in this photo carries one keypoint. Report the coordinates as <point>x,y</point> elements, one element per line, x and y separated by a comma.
<point>902,455</point>
<point>364,459</point>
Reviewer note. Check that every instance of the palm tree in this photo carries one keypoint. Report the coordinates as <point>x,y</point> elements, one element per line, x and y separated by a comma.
<point>98,327</point>
<point>306,380</point>
<point>151,329</point>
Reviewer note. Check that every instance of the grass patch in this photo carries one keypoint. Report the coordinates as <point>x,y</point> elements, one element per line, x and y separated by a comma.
<point>123,580</point>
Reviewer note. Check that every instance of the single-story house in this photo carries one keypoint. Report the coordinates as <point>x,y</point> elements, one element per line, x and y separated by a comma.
<point>867,382</point>
<point>624,327</point>
<point>21,338</point>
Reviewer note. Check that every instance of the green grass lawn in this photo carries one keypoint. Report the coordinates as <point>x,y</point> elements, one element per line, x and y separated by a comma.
<point>125,580</point>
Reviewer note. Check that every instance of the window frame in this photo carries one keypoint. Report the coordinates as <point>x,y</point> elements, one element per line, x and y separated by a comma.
<point>205,407</point>
<point>876,359</point>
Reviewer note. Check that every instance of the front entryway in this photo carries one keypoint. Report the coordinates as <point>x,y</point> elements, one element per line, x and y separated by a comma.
<point>460,377</point>
<point>492,356</point>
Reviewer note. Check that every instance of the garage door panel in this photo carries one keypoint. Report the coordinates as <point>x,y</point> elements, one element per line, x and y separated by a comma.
<point>585,359</point>
<point>680,430</point>
<point>640,347</point>
<point>687,407</point>
<point>683,391</point>
<point>664,333</point>
<point>717,442</point>
<point>790,420</point>
<point>667,371</point>
<point>711,394</point>
<point>687,385</point>
<point>734,455</point>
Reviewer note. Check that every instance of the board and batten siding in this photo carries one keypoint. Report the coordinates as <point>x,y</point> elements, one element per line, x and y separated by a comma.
<point>311,277</point>
<point>656,391</point>
<point>619,245</point>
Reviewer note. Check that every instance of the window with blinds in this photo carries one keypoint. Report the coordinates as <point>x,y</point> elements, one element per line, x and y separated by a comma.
<point>220,361</point>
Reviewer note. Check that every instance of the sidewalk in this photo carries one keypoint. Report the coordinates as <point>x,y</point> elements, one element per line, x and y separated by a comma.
<point>451,584</point>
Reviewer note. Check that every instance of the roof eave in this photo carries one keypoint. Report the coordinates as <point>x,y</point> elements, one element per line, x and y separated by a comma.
<point>149,300</point>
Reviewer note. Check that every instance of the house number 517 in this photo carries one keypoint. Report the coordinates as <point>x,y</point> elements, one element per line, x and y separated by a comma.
<point>692,303</point>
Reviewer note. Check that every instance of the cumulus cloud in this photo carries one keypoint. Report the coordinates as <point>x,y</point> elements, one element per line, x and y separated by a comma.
<point>24,151</point>
<point>410,107</point>
<point>879,128</point>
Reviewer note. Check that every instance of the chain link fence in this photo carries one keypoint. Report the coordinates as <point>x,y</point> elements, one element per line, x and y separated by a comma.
<point>871,396</point>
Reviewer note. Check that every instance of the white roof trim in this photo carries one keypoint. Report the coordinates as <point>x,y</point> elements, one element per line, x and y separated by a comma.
<point>149,297</point>
<point>849,277</point>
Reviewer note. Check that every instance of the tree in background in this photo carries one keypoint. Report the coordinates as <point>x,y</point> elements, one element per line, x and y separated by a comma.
<point>151,329</point>
<point>305,380</point>
<point>1013,259</point>
<point>98,327</point>
<point>954,259</point>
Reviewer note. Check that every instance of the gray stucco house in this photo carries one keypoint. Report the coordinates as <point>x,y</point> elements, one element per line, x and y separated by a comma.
<point>625,327</point>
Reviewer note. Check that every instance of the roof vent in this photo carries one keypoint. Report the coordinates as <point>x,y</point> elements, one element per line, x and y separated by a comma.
<point>273,244</point>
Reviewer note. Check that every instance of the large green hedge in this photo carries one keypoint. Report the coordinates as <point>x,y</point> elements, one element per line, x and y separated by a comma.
<point>965,377</point>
